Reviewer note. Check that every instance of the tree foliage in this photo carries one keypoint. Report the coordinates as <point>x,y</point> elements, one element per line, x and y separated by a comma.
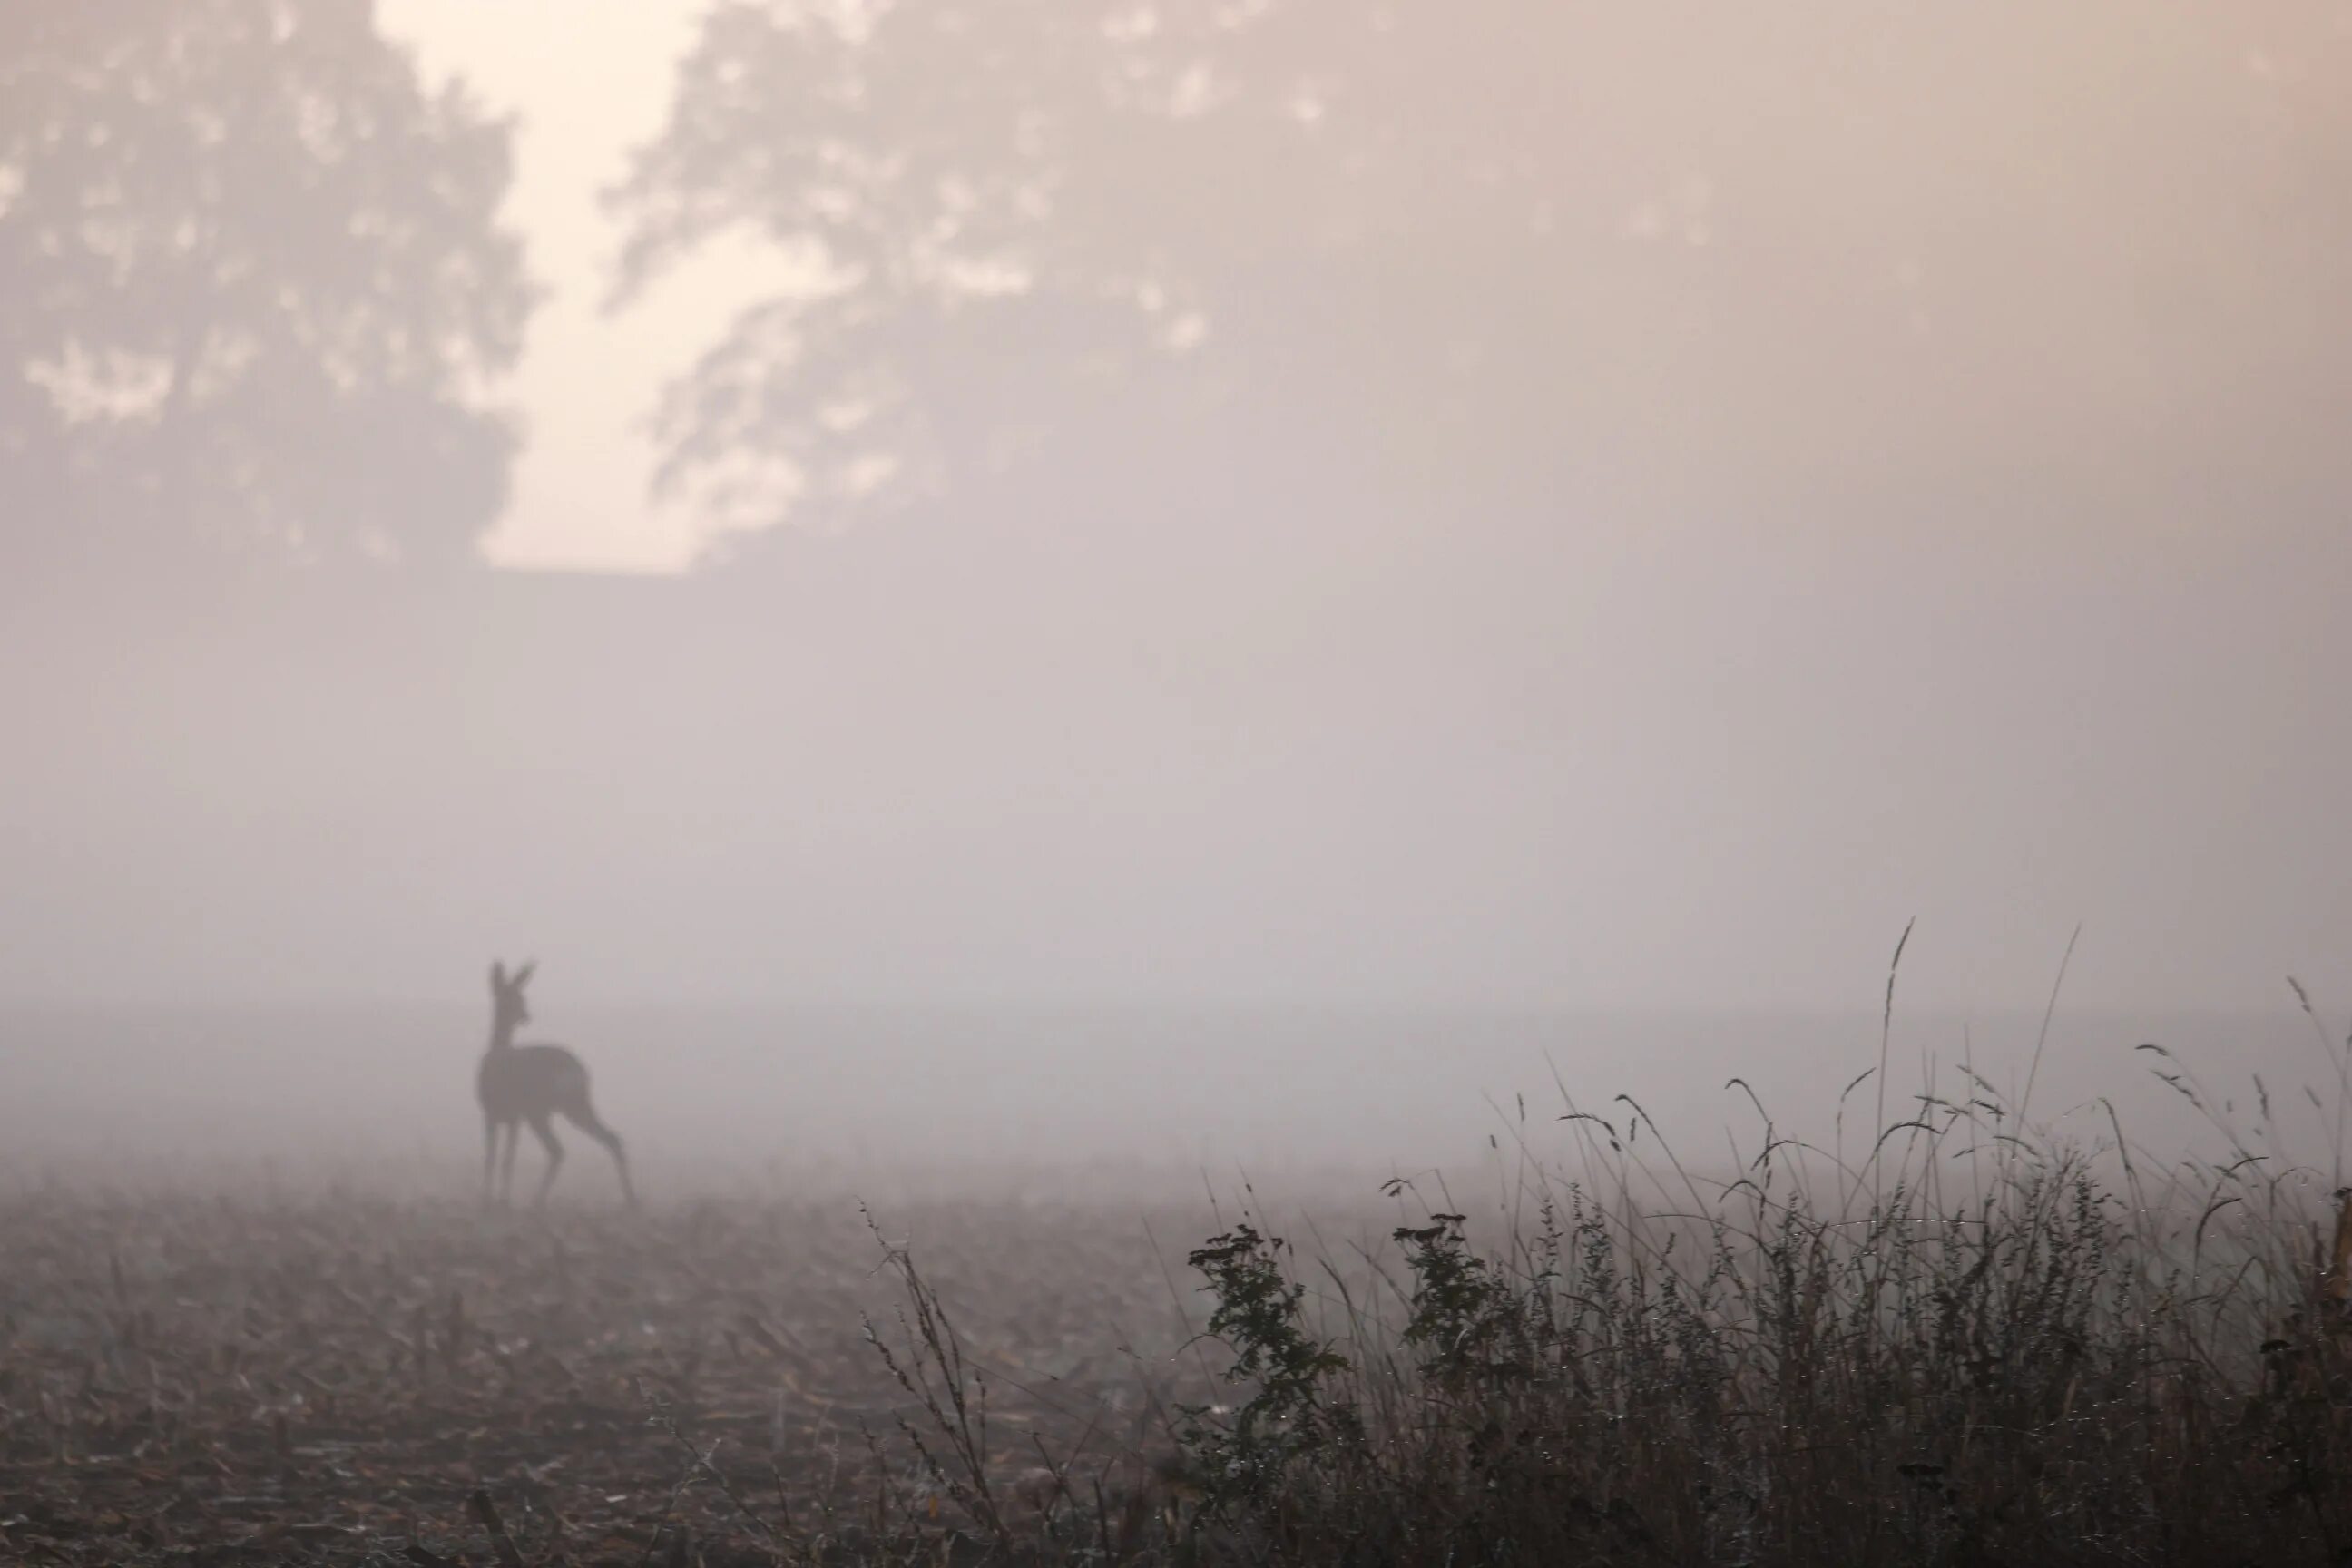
<point>1008,213</point>
<point>252,284</point>
<point>1680,257</point>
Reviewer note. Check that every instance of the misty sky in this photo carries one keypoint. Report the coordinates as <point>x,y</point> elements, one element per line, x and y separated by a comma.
<point>1892,465</point>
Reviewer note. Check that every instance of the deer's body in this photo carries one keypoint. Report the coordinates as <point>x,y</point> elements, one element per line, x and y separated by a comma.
<point>535,1084</point>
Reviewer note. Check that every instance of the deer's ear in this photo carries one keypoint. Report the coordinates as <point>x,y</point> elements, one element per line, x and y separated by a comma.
<point>497,977</point>
<point>523,973</point>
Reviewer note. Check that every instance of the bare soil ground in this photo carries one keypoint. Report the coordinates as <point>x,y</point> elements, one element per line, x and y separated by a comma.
<point>207,1379</point>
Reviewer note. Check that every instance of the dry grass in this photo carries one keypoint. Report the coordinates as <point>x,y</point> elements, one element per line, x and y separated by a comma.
<point>1968,1344</point>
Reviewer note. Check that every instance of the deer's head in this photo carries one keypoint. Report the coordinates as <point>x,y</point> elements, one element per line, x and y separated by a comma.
<point>510,1009</point>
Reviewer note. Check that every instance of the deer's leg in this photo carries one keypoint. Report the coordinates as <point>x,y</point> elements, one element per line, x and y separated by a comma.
<point>546,1132</point>
<point>585,1118</point>
<point>490,1154</point>
<point>506,1165</point>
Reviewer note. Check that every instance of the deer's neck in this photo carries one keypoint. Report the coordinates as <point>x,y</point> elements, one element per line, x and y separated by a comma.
<point>501,1037</point>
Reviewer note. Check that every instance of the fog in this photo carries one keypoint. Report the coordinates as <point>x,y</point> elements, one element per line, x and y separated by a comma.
<point>1210,585</point>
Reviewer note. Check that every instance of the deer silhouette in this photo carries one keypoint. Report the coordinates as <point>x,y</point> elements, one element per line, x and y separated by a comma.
<point>533,1084</point>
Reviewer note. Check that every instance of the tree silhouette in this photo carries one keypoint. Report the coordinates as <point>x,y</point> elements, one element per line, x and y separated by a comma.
<point>1014,212</point>
<point>251,284</point>
<point>1672,256</point>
